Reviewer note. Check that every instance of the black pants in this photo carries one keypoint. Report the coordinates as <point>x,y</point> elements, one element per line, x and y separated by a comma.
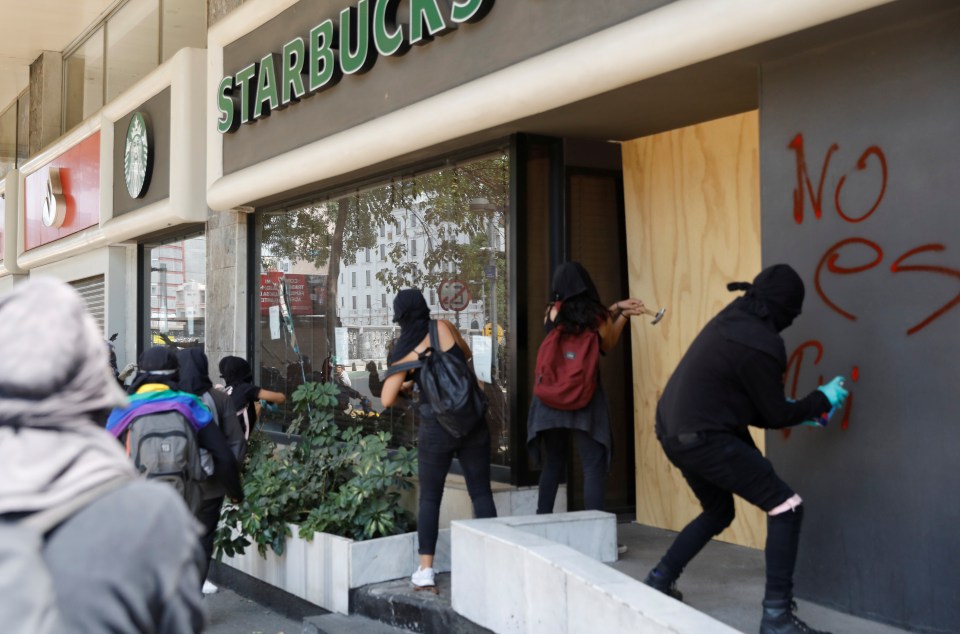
<point>435,452</point>
<point>717,466</point>
<point>209,515</point>
<point>593,457</point>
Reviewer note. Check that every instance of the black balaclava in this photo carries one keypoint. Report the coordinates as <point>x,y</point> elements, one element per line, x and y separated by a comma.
<point>194,371</point>
<point>776,293</point>
<point>157,365</point>
<point>235,370</point>
<point>571,279</point>
<point>410,310</point>
<point>771,303</point>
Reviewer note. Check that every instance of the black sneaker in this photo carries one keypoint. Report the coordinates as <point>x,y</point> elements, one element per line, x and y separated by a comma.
<point>658,582</point>
<point>779,618</point>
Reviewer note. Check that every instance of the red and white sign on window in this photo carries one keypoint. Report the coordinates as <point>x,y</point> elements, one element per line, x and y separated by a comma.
<point>454,295</point>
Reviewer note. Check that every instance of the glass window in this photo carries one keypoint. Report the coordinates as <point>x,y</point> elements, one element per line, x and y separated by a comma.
<point>133,44</point>
<point>463,211</point>
<point>353,279</point>
<point>83,80</point>
<point>368,280</point>
<point>8,139</point>
<point>174,296</point>
<point>184,24</point>
<point>23,127</point>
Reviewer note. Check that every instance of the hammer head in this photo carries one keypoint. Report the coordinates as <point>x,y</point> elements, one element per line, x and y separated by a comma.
<point>659,315</point>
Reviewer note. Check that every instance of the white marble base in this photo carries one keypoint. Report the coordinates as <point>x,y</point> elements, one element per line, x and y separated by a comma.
<point>323,570</point>
<point>544,574</point>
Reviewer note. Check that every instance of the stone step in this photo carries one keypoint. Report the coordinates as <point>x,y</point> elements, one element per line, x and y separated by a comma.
<point>343,624</point>
<point>398,604</point>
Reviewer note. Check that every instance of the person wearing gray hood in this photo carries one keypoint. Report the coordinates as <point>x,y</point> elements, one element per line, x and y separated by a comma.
<point>121,554</point>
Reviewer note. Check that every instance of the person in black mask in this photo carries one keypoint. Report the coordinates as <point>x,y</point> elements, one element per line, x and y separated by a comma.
<point>576,307</point>
<point>436,448</point>
<point>732,377</point>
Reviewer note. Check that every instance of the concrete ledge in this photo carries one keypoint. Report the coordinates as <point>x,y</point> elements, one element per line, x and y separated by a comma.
<point>545,574</point>
<point>324,569</point>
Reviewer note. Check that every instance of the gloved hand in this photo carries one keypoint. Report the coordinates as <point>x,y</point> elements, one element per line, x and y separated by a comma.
<point>835,392</point>
<point>130,368</point>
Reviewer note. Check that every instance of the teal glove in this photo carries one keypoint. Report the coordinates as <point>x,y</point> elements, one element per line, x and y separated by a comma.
<point>835,392</point>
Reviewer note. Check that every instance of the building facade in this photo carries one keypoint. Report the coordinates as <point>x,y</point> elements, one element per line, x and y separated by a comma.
<point>323,154</point>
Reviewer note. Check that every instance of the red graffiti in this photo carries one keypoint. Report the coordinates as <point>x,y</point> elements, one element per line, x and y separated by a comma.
<point>830,259</point>
<point>899,267</point>
<point>796,359</point>
<point>862,165</point>
<point>803,179</point>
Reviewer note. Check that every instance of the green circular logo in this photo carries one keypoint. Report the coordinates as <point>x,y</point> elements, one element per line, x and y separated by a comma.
<point>137,157</point>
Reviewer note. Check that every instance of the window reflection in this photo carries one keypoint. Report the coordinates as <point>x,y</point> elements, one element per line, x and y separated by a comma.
<point>177,293</point>
<point>329,271</point>
<point>83,85</point>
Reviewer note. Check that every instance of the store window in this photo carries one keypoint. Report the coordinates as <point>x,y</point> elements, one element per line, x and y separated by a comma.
<point>133,44</point>
<point>463,210</point>
<point>173,301</point>
<point>128,44</point>
<point>83,80</point>
<point>8,139</point>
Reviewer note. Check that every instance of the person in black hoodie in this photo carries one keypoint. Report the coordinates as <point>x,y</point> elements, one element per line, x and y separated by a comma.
<point>244,394</point>
<point>732,377</point>
<point>195,379</point>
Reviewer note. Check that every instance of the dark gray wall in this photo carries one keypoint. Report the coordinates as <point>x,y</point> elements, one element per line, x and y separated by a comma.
<point>881,533</point>
<point>156,111</point>
<point>511,32</point>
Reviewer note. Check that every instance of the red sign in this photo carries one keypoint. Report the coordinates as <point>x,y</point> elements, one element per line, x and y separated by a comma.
<point>453,295</point>
<point>72,178</point>
<point>306,294</point>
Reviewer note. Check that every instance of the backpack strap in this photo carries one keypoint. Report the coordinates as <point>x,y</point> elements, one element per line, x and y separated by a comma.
<point>434,336</point>
<point>402,367</point>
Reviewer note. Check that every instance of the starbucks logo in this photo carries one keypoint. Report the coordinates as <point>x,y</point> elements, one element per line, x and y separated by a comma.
<point>137,157</point>
<point>54,210</point>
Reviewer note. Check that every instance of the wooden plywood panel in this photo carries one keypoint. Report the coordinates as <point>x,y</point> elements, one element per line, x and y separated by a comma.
<point>692,199</point>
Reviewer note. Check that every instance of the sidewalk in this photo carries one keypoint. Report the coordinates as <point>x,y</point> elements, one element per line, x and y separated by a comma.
<point>230,613</point>
<point>726,582</point>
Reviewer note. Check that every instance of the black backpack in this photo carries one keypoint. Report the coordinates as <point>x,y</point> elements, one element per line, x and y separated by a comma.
<point>449,387</point>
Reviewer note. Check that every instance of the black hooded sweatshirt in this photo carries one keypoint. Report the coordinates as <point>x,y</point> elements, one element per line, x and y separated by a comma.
<point>732,374</point>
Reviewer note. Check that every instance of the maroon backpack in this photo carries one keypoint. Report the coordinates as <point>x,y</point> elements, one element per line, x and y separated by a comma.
<point>567,367</point>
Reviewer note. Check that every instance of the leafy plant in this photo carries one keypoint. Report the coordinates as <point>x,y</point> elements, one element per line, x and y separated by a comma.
<point>332,480</point>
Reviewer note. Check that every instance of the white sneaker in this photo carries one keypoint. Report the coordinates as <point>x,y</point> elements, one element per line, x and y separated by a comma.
<point>424,577</point>
<point>209,588</point>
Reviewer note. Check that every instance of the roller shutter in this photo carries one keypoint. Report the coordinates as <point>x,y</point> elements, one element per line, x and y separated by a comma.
<point>92,289</point>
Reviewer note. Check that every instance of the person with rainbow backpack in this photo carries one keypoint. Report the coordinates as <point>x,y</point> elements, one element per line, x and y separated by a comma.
<point>163,430</point>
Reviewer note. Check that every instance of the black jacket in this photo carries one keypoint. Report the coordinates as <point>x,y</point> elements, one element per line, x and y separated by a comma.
<point>732,377</point>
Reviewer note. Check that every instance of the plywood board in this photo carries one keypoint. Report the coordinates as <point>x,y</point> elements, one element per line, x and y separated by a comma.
<point>692,199</point>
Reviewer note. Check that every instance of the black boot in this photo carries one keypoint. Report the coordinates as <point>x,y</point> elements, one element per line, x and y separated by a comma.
<point>779,618</point>
<point>658,581</point>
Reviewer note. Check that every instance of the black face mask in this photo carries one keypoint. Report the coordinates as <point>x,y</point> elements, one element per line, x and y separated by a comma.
<point>776,294</point>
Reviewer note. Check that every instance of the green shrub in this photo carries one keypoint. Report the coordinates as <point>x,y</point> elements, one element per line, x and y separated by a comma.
<point>332,480</point>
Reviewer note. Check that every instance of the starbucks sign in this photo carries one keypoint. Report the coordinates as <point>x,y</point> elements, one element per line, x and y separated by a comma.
<point>334,48</point>
<point>137,156</point>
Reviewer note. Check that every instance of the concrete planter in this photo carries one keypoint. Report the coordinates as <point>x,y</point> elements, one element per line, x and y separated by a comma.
<point>325,569</point>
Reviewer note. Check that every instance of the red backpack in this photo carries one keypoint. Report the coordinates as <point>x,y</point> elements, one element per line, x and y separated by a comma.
<point>567,367</point>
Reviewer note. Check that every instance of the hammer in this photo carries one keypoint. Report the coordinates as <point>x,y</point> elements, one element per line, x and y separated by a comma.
<point>657,316</point>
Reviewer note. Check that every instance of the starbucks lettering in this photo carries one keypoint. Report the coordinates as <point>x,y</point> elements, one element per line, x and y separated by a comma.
<point>306,66</point>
